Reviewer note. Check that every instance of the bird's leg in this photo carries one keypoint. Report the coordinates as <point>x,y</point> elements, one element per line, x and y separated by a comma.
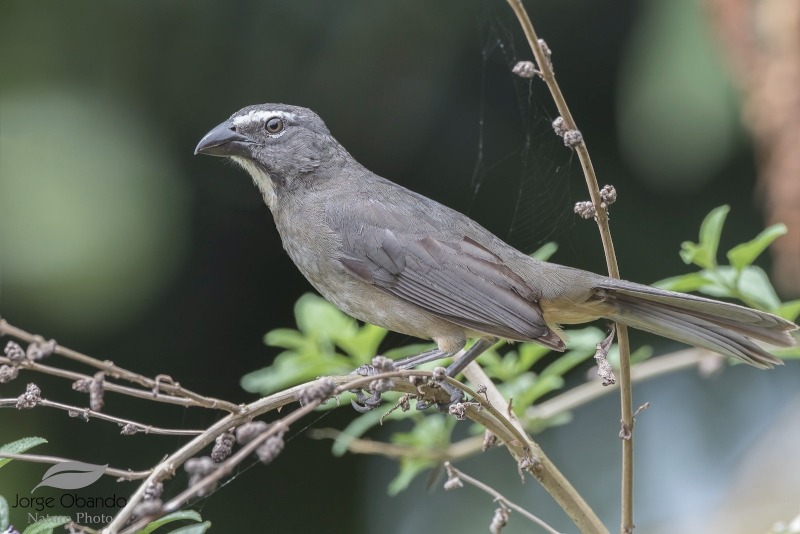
<point>419,359</point>
<point>474,351</point>
<point>365,403</point>
<point>455,368</point>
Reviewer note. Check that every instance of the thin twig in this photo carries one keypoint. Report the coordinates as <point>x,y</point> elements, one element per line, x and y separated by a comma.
<point>502,428</point>
<point>111,471</point>
<point>107,386</point>
<point>118,372</point>
<point>546,69</point>
<point>452,471</point>
<point>86,413</point>
<point>569,400</point>
<point>226,467</point>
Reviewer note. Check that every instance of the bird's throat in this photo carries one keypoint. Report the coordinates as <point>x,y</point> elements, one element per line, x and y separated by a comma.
<point>261,179</point>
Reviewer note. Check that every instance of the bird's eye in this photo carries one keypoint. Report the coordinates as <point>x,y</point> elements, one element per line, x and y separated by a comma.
<point>274,125</point>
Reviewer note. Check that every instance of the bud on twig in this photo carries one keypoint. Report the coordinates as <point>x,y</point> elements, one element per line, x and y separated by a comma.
<point>573,138</point>
<point>30,398</point>
<point>38,350</point>
<point>271,448</point>
<point>14,352</point>
<point>526,69</point>
<point>608,195</point>
<point>453,481</point>
<point>223,447</point>
<point>248,431</point>
<point>198,468</point>
<point>439,373</point>
<point>499,520</point>
<point>8,373</point>
<point>585,209</point>
<point>318,391</point>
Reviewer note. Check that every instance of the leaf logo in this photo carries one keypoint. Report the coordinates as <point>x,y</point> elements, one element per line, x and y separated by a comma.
<point>71,475</point>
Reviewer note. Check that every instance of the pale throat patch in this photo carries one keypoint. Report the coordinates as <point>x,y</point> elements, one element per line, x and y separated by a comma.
<point>260,178</point>
<point>262,115</point>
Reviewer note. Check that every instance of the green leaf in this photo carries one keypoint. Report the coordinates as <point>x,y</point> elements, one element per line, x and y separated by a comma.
<point>193,529</point>
<point>48,525</point>
<point>359,426</point>
<point>18,447</point>
<point>430,432</point>
<point>684,283</point>
<point>788,353</point>
<point>363,344</point>
<point>545,251</point>
<point>743,255</point>
<point>3,514</point>
<point>754,285</point>
<point>788,310</point>
<point>704,253</point>
<point>409,469</point>
<point>529,354</point>
<point>319,318</point>
<point>641,354</point>
<point>286,338</point>
<point>584,338</point>
<point>174,516</point>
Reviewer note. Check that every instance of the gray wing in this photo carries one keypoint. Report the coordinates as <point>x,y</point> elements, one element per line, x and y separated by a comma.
<point>449,275</point>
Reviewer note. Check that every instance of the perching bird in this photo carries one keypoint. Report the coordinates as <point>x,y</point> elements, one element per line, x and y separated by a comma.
<point>393,258</point>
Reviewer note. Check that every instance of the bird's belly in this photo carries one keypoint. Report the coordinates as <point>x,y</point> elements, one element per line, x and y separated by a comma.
<point>315,254</point>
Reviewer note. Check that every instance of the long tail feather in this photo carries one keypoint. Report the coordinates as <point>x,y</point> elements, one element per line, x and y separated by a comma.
<point>721,327</point>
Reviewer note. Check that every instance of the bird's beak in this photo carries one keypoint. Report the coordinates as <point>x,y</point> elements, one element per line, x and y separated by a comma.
<point>224,140</point>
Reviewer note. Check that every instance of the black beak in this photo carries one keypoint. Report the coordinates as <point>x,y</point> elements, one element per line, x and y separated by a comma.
<point>224,140</point>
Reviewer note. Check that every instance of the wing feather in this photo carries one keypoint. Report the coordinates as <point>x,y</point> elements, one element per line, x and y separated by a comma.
<point>454,278</point>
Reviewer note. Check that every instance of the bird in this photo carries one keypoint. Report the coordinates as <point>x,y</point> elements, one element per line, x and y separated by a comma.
<point>391,257</point>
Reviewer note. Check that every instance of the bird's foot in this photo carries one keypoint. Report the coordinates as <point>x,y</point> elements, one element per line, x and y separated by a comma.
<point>366,403</point>
<point>438,393</point>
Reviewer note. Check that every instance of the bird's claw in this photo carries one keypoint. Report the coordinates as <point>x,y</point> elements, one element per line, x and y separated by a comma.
<point>364,403</point>
<point>456,395</point>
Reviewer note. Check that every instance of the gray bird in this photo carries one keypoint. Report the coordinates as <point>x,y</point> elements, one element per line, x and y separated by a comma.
<point>393,258</point>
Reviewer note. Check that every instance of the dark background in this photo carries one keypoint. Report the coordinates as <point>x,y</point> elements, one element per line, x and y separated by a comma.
<point>118,242</point>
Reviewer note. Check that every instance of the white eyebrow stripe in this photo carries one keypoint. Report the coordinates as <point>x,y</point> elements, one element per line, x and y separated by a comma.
<point>261,115</point>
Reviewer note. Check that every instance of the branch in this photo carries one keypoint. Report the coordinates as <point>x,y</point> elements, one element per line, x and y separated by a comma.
<point>585,393</point>
<point>546,70</point>
<point>159,384</point>
<point>569,400</point>
<point>36,458</point>
<point>543,469</point>
<point>108,386</point>
<point>454,480</point>
<point>498,425</point>
<point>129,427</point>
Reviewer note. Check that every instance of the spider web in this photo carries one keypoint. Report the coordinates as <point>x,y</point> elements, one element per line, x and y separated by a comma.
<point>527,163</point>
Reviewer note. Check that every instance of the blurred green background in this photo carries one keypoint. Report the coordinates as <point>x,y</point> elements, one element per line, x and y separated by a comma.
<point>116,241</point>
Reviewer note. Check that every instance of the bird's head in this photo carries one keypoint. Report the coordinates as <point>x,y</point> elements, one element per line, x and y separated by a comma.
<point>279,145</point>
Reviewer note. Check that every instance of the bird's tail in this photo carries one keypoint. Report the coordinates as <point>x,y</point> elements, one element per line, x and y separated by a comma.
<point>721,327</point>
